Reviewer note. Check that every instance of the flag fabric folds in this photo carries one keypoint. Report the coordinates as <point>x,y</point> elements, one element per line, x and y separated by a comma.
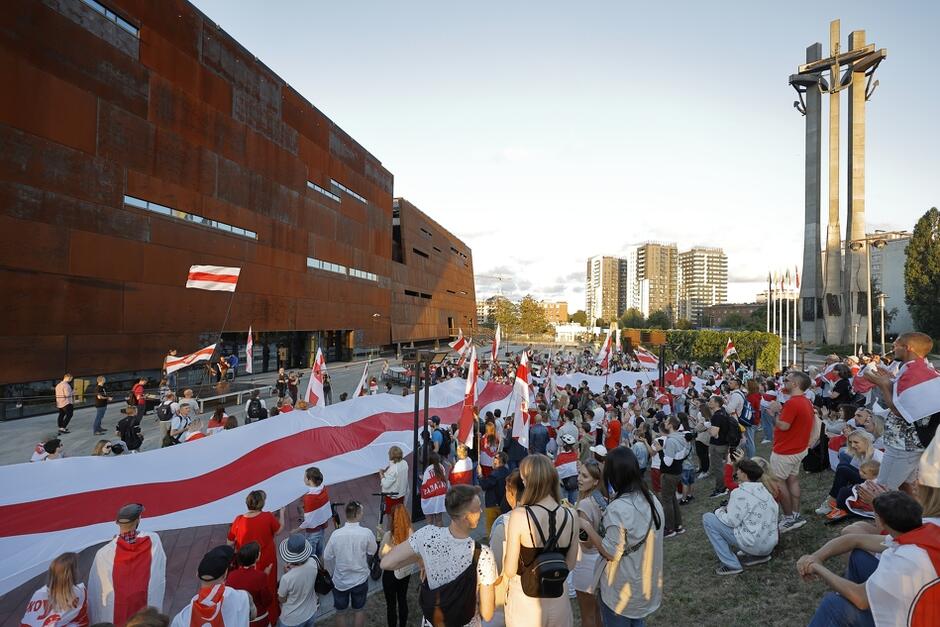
<point>125,578</point>
<point>603,355</point>
<point>213,278</point>
<point>648,361</point>
<point>315,396</point>
<point>459,344</point>
<point>917,390</point>
<point>363,388</point>
<point>249,356</point>
<point>520,422</point>
<point>729,350</point>
<point>494,357</point>
<point>172,363</point>
<point>467,415</point>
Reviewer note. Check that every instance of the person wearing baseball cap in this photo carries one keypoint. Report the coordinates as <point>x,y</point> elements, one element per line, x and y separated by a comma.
<point>566,464</point>
<point>119,584</point>
<point>215,604</point>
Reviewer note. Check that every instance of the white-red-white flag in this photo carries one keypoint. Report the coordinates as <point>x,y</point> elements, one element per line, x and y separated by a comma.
<point>460,343</point>
<point>494,354</point>
<point>363,388</point>
<point>917,390</point>
<point>467,416</point>
<point>173,363</point>
<point>249,352</point>
<point>520,421</point>
<point>729,350</point>
<point>603,355</point>
<point>118,587</point>
<point>213,278</point>
<point>648,361</point>
<point>315,396</point>
<point>617,347</point>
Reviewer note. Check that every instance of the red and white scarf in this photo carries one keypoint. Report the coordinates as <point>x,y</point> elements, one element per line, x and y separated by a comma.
<point>207,607</point>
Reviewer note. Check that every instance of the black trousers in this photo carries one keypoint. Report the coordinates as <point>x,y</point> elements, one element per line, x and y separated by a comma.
<point>65,415</point>
<point>702,451</point>
<point>396,598</point>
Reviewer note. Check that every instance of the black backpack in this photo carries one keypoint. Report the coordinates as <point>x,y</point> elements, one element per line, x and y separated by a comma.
<point>544,577</point>
<point>164,412</point>
<point>129,430</point>
<point>455,603</point>
<point>817,458</point>
<point>255,410</point>
<point>444,449</point>
<point>926,429</point>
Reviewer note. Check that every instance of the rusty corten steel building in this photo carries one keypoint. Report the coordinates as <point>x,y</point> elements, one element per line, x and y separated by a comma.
<point>138,138</point>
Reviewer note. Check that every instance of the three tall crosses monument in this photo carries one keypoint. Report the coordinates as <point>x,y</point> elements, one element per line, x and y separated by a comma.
<point>835,298</point>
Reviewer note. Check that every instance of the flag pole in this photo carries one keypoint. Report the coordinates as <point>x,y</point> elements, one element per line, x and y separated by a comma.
<point>228,311</point>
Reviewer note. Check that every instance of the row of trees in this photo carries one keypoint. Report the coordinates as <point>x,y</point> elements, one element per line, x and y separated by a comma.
<point>526,316</point>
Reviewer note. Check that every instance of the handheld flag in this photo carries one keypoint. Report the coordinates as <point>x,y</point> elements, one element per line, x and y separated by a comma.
<point>917,390</point>
<point>648,361</point>
<point>460,343</point>
<point>467,416</point>
<point>363,388</point>
<point>249,346</point>
<point>315,395</point>
<point>495,352</point>
<point>603,355</point>
<point>172,364</point>
<point>729,350</point>
<point>213,278</point>
<point>520,422</point>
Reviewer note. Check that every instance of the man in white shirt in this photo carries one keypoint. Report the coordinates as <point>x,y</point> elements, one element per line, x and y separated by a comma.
<point>347,556</point>
<point>879,590</point>
<point>180,422</point>
<point>214,599</point>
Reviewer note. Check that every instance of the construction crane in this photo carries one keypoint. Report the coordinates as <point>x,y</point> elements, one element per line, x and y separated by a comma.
<point>497,277</point>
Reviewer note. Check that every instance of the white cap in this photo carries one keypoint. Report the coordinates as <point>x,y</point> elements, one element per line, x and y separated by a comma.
<point>568,438</point>
<point>930,465</point>
<point>599,449</point>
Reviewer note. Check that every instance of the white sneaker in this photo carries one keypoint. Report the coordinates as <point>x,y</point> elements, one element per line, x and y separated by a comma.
<point>825,508</point>
<point>765,441</point>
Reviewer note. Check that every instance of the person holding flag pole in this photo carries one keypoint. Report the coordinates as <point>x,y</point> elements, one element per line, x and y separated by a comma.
<point>249,348</point>
<point>315,394</point>
<point>213,279</point>
<point>520,390</point>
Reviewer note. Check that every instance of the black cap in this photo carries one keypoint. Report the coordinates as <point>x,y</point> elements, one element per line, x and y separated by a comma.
<point>130,512</point>
<point>215,563</point>
<point>52,445</point>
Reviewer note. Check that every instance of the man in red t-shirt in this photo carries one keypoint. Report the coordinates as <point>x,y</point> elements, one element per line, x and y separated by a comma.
<point>791,439</point>
<point>612,439</point>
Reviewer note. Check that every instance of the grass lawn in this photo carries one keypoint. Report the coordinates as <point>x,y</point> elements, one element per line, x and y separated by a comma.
<point>767,594</point>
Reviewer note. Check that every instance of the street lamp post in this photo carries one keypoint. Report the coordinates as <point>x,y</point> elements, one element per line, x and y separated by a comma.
<point>421,361</point>
<point>881,305</point>
<point>855,338</point>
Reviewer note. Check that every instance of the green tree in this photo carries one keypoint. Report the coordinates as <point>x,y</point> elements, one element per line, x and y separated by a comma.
<point>683,324</point>
<point>734,321</point>
<point>531,316</point>
<point>632,319</point>
<point>507,316</point>
<point>659,320</point>
<point>922,274</point>
<point>578,317</point>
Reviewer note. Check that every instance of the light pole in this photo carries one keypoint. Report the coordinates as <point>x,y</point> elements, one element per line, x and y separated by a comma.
<point>881,305</point>
<point>855,338</point>
<point>855,246</point>
<point>421,361</point>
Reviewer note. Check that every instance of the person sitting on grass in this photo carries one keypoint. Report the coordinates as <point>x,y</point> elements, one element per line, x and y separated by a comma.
<point>749,522</point>
<point>877,590</point>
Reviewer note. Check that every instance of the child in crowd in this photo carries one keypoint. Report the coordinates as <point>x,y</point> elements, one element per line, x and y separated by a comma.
<point>462,472</point>
<point>688,478</point>
<point>317,510</point>
<point>869,472</point>
<point>253,581</point>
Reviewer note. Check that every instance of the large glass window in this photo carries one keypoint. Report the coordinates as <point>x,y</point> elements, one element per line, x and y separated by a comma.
<point>114,17</point>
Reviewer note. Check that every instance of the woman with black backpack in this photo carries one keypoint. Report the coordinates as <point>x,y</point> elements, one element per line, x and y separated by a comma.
<point>631,549</point>
<point>541,549</point>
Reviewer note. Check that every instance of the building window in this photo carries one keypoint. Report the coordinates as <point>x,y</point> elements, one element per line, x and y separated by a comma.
<point>420,253</point>
<point>426,232</point>
<point>362,274</point>
<point>411,293</point>
<point>114,17</point>
<point>343,188</point>
<point>188,217</point>
<point>327,266</point>
<point>326,193</point>
<point>436,249</point>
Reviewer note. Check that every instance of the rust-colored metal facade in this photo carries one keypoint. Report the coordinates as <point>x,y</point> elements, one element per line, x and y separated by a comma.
<point>95,116</point>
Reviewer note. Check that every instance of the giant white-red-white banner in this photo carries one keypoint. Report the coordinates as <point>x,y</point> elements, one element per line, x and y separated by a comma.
<point>66,505</point>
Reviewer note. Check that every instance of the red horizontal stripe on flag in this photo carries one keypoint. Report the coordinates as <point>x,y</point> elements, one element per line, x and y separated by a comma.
<point>218,278</point>
<point>162,498</point>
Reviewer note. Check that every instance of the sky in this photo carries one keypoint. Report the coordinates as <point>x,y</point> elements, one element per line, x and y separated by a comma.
<point>542,133</point>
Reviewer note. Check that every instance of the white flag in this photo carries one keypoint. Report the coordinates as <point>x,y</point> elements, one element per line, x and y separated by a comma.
<point>363,388</point>
<point>249,357</point>
<point>314,394</point>
<point>520,422</point>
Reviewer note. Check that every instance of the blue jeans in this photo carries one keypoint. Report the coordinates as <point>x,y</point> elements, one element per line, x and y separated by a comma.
<point>572,496</point>
<point>356,594</point>
<point>315,538</point>
<point>612,619</point>
<point>99,414</point>
<point>768,425</point>
<point>722,538</point>
<point>750,448</point>
<point>835,609</point>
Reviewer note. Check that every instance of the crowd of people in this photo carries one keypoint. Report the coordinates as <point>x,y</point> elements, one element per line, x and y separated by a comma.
<point>587,509</point>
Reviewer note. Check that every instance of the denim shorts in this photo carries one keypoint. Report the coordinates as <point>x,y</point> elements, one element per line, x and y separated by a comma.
<point>358,594</point>
<point>688,476</point>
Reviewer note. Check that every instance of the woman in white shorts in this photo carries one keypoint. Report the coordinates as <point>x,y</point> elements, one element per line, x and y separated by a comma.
<point>591,505</point>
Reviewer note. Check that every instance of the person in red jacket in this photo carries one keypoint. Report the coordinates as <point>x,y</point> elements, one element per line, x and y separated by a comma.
<point>253,581</point>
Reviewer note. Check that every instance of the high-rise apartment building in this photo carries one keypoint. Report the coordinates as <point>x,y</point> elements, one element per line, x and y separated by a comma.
<point>603,292</point>
<point>555,312</point>
<point>702,281</point>
<point>650,270</point>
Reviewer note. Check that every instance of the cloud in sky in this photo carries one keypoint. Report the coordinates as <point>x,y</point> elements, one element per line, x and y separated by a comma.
<point>552,134</point>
